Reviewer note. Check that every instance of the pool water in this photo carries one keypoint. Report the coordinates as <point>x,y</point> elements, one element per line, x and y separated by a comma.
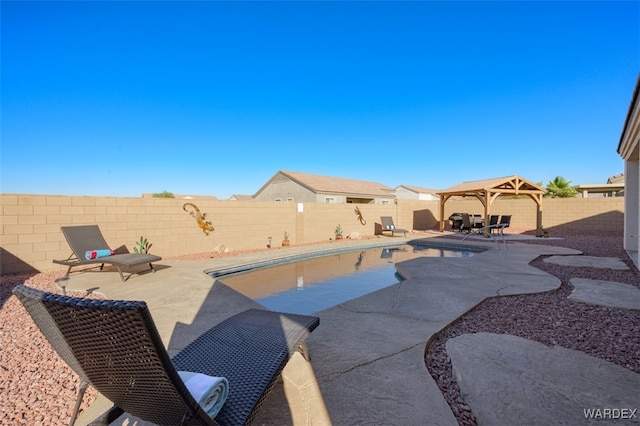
<point>311,285</point>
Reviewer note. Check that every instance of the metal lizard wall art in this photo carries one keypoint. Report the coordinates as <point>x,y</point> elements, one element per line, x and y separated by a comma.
<point>359,216</point>
<point>201,218</point>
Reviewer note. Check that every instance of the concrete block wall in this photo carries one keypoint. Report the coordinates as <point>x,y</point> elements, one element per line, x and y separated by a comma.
<point>587,214</point>
<point>30,236</point>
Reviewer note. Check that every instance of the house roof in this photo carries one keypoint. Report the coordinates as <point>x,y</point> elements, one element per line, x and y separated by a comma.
<point>619,178</point>
<point>337,185</point>
<point>241,197</point>
<point>629,137</point>
<point>182,196</point>
<point>601,188</point>
<point>419,189</point>
<point>505,185</point>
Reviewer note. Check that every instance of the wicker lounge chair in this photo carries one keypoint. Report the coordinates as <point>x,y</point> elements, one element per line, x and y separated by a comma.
<point>388,226</point>
<point>115,347</point>
<point>85,238</point>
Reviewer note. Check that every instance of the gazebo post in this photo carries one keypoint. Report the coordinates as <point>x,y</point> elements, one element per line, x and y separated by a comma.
<point>538,201</point>
<point>443,199</point>
<point>487,210</point>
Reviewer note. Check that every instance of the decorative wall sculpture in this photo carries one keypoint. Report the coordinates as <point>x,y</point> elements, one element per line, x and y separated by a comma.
<point>201,218</point>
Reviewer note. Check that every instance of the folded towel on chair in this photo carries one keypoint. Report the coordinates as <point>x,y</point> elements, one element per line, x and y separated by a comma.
<point>210,392</point>
<point>95,254</point>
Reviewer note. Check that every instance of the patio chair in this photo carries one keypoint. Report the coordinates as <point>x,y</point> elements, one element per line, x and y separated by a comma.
<point>467,223</point>
<point>493,226</point>
<point>493,220</point>
<point>388,226</point>
<point>85,238</point>
<point>114,346</point>
<point>505,221</point>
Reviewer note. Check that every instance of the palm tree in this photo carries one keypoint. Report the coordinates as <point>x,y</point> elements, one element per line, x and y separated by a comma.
<point>559,187</point>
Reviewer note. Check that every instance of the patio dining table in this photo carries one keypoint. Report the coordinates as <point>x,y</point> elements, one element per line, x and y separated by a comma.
<point>477,221</point>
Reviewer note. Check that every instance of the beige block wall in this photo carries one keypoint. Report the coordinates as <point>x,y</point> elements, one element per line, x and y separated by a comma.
<point>587,214</point>
<point>30,237</point>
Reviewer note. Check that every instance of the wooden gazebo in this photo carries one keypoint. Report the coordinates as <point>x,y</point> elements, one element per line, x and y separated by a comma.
<point>488,190</point>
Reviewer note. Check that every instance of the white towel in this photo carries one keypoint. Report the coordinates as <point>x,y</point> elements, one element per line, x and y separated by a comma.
<point>210,392</point>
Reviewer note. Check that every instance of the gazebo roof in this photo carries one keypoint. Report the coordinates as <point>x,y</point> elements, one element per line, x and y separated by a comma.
<point>512,185</point>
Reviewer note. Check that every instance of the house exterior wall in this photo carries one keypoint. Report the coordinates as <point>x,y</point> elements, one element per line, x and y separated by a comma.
<point>632,206</point>
<point>406,194</point>
<point>343,199</point>
<point>337,199</point>
<point>629,150</point>
<point>30,236</point>
<point>427,197</point>
<point>288,190</point>
<point>384,201</point>
<point>284,189</point>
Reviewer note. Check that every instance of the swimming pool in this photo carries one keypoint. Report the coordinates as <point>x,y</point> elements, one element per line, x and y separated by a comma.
<point>311,285</point>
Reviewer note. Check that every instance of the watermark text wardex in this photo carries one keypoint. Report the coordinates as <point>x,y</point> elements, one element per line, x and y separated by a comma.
<point>610,413</point>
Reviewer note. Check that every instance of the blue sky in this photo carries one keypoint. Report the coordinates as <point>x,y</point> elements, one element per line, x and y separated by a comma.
<point>213,98</point>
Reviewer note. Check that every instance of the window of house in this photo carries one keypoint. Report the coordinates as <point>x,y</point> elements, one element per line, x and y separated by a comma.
<point>278,200</point>
<point>329,200</point>
<point>289,198</point>
<point>384,202</point>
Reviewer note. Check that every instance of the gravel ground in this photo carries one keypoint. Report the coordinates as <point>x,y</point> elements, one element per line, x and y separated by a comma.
<point>551,318</point>
<point>37,387</point>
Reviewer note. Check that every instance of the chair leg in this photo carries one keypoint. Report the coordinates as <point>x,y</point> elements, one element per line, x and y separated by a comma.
<point>121,274</point>
<point>82,387</point>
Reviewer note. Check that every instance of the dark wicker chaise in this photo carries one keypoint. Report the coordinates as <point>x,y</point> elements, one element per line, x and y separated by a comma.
<point>115,347</point>
<point>85,238</point>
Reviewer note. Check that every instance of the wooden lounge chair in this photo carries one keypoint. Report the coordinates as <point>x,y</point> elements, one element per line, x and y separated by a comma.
<point>388,226</point>
<point>86,238</point>
<point>115,347</point>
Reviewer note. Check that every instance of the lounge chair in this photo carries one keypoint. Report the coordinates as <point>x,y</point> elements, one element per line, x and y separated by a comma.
<point>86,238</point>
<point>388,226</point>
<point>115,347</point>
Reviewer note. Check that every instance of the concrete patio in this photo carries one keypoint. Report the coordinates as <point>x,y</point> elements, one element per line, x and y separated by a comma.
<point>367,355</point>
